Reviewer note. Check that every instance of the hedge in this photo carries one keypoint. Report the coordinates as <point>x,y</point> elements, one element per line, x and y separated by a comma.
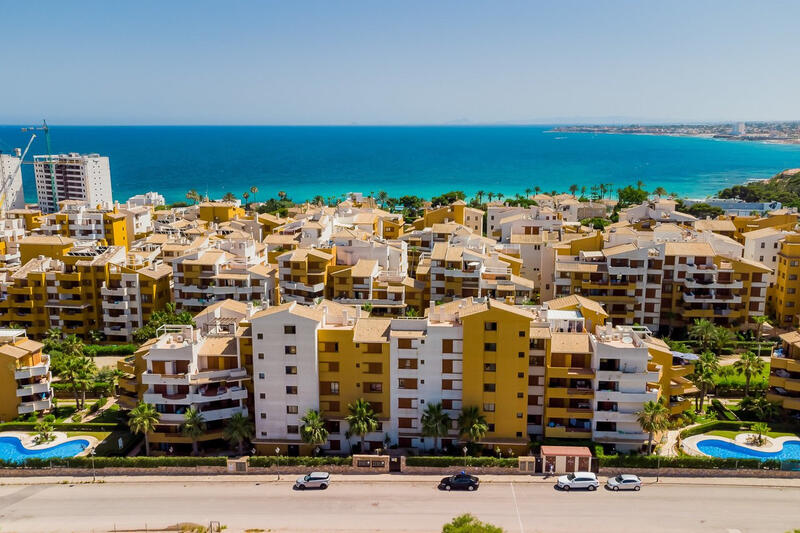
<point>67,426</point>
<point>655,461</point>
<point>92,350</point>
<point>117,462</point>
<point>723,411</point>
<point>96,387</point>
<point>506,462</point>
<point>270,460</point>
<point>711,426</point>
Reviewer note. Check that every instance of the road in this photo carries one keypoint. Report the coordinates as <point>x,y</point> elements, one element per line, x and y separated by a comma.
<point>407,506</point>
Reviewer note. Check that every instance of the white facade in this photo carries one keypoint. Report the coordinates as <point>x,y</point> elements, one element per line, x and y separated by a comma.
<point>77,177</point>
<point>147,199</point>
<point>14,196</point>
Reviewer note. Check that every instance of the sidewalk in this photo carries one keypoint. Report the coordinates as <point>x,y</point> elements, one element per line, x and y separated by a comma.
<point>391,478</point>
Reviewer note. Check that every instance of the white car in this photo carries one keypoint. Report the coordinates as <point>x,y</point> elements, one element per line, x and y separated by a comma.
<point>624,482</point>
<point>578,480</point>
<point>314,480</point>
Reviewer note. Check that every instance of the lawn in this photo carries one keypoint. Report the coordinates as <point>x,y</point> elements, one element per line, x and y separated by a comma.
<point>732,434</point>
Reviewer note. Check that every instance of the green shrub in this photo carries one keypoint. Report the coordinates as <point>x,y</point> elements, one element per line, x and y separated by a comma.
<point>270,460</point>
<point>715,425</point>
<point>445,461</point>
<point>120,462</point>
<point>32,418</point>
<point>654,461</point>
<point>86,426</point>
<point>98,387</point>
<point>51,419</point>
<point>92,350</point>
<point>723,411</point>
<point>96,406</point>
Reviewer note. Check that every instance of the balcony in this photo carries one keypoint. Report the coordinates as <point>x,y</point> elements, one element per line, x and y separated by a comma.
<point>614,416</point>
<point>619,436</point>
<point>564,392</point>
<point>209,415</point>
<point>623,397</point>
<point>561,432</point>
<point>33,388</point>
<point>30,407</point>
<point>118,292</point>
<point>218,375</point>
<point>789,384</point>
<point>148,378</point>
<point>791,365</point>
<point>28,372</point>
<point>570,372</point>
<point>121,305</point>
<point>569,412</point>
<point>678,407</point>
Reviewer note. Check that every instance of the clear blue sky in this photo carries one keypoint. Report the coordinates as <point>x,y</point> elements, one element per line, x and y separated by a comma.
<point>376,62</point>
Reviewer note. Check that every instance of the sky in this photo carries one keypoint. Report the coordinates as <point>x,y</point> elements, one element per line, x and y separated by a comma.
<point>404,62</point>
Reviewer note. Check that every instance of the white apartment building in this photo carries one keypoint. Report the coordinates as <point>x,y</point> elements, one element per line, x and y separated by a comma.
<point>12,230</point>
<point>77,177</point>
<point>764,245</point>
<point>14,195</point>
<point>153,199</point>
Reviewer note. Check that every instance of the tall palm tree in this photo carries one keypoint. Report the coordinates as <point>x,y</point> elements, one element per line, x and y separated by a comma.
<point>313,430</point>
<point>653,417</point>
<point>229,197</point>
<point>573,189</point>
<point>583,190</point>
<point>72,346</point>
<point>282,195</point>
<point>79,372</point>
<point>500,196</point>
<point>748,364</point>
<point>435,423</point>
<point>705,371</point>
<point>111,376</point>
<point>238,430</point>
<point>721,339</point>
<point>382,197</point>
<point>472,424</point>
<point>490,195</point>
<point>702,331</point>
<point>254,191</point>
<point>602,188</point>
<point>194,425</point>
<point>528,191</point>
<point>760,321</point>
<point>479,196</point>
<point>361,419</point>
<point>143,419</point>
<point>660,191</point>
<point>537,189</point>
<point>640,185</point>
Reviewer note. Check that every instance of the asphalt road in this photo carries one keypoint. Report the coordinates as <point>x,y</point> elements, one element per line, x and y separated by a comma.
<point>394,506</point>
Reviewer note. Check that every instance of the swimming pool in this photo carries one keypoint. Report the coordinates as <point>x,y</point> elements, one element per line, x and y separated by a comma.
<point>725,449</point>
<point>12,450</point>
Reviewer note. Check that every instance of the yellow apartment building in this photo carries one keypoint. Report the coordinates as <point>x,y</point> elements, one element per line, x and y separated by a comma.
<point>457,212</point>
<point>786,291</point>
<point>784,373</point>
<point>219,211</point>
<point>24,376</point>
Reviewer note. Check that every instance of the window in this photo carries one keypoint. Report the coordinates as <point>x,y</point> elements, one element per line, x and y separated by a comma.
<point>491,428</point>
<point>373,387</point>
<point>521,355</point>
<point>404,344</point>
<point>290,350</point>
<point>373,347</point>
<point>291,389</point>
<point>329,387</point>
<point>261,375</point>
<point>292,429</point>
<point>263,416</point>
<point>520,395</point>
<point>330,347</point>
<point>407,363</point>
<point>291,370</point>
<point>488,387</point>
<point>447,346</point>
<point>333,366</point>
<point>260,336</point>
<point>490,326</point>
<point>521,333</point>
<point>489,367</point>
<point>519,415</point>
<point>407,383</point>
<point>520,374</point>
<point>262,396</point>
<point>289,330</point>
<point>291,409</point>
<point>488,407</point>
<point>489,347</point>
<point>374,368</point>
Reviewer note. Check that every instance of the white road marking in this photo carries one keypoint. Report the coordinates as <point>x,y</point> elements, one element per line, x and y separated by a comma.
<point>519,518</point>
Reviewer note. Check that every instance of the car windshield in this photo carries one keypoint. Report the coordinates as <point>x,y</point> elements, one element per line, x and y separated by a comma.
<point>619,478</point>
<point>306,478</point>
<point>570,476</point>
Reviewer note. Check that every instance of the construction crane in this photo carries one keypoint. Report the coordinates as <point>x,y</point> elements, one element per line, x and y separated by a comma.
<point>46,131</point>
<point>6,185</point>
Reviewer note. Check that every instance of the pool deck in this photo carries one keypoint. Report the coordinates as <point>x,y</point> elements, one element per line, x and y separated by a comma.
<point>773,445</point>
<point>60,438</point>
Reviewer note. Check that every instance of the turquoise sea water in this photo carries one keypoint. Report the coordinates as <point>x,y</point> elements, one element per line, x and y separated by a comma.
<point>306,161</point>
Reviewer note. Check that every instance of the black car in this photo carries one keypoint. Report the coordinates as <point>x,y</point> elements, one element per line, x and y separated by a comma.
<point>460,481</point>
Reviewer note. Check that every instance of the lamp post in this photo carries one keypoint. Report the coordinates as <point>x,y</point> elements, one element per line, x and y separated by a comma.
<point>94,476</point>
<point>278,459</point>
<point>464,449</point>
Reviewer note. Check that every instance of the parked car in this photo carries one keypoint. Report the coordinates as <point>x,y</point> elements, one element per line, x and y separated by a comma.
<point>624,482</point>
<point>460,481</point>
<point>314,480</point>
<point>578,480</point>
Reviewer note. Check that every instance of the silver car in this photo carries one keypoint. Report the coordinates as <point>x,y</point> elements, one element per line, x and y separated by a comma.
<point>578,480</point>
<point>314,480</point>
<point>624,482</point>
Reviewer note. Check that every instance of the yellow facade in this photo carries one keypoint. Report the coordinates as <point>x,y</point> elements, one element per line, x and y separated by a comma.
<point>47,246</point>
<point>784,377</point>
<point>785,294</point>
<point>219,211</point>
<point>24,377</point>
<point>457,212</point>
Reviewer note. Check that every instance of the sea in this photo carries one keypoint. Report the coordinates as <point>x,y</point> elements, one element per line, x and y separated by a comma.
<point>402,160</point>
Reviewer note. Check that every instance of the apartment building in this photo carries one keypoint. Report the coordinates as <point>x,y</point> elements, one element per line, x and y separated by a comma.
<point>24,376</point>
<point>303,273</point>
<point>784,373</point>
<point>11,178</point>
<point>457,212</point>
<point>12,231</point>
<point>78,221</point>
<point>504,221</point>
<point>785,296</point>
<point>130,296</point>
<point>186,368</point>
<point>72,177</point>
<point>219,211</point>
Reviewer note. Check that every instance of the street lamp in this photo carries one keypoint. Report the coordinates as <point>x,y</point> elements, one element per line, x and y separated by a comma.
<point>94,476</point>
<point>464,449</point>
<point>278,459</point>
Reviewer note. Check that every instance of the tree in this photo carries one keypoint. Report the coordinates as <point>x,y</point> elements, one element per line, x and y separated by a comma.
<point>500,196</point>
<point>193,196</point>
<point>96,336</point>
<point>161,318</point>
<point>281,195</point>
<point>43,432</point>
<point>479,196</point>
<point>653,417</point>
<point>435,423</point>
<point>573,189</point>
<point>318,200</point>
<point>472,424</point>
<point>245,196</point>
<point>758,408</point>
<point>760,321</point>
<point>238,430</point>
<point>466,523</point>
<point>143,419</point>
<point>229,197</point>
<point>194,425</point>
<point>721,339</point>
<point>72,346</point>
<point>760,429</point>
<point>382,197</point>
<point>313,430</point>
<point>630,196</point>
<point>748,364</point>
<point>111,376</point>
<point>361,419</point>
<point>79,372</point>
<point>490,195</point>
<point>528,191</point>
<point>660,191</point>
<point>705,370</point>
<point>703,210</point>
<point>583,190</point>
<point>702,331</point>
<point>254,191</point>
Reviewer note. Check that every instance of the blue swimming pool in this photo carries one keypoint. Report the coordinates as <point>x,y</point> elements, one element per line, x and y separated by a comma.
<point>12,450</point>
<point>725,449</point>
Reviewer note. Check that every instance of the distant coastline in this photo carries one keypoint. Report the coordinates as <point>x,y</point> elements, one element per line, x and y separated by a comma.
<point>762,132</point>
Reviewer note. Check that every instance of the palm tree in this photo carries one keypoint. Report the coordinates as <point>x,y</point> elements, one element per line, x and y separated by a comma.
<point>721,339</point>
<point>383,196</point>
<point>760,429</point>
<point>282,195</point>
<point>79,372</point>
<point>254,191</point>
<point>583,190</point>
<point>143,419</point>
<point>660,191</point>
<point>472,424</point>
<point>318,200</point>
<point>111,376</point>
<point>702,331</point>
<point>500,196</point>
<point>435,423</point>
<point>361,419</point>
<point>748,364</point>
<point>229,197</point>
<point>238,429</point>
<point>573,189</point>
<point>528,191</point>
<point>639,185</point>
<point>194,425</point>
<point>72,346</point>
<point>758,408</point>
<point>490,195</point>
<point>537,189</point>
<point>602,188</point>
<point>193,196</point>
<point>653,417</point>
<point>760,321</point>
<point>96,336</point>
<point>479,196</point>
<point>313,430</point>
<point>705,371</point>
